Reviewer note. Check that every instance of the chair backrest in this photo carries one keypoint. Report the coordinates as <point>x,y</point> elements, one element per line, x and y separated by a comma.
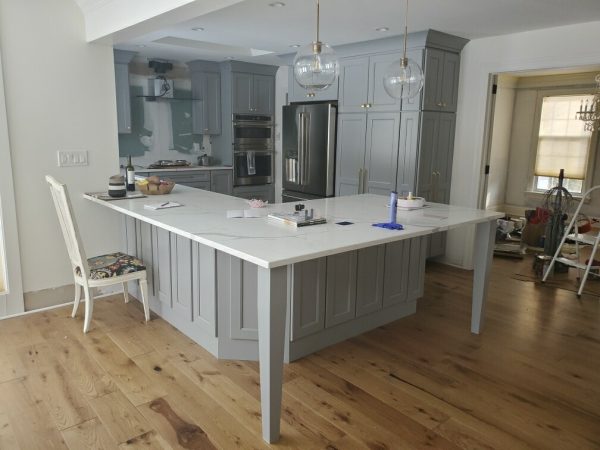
<point>68,225</point>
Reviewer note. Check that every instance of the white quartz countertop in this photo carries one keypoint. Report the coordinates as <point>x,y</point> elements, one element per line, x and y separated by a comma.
<point>186,169</point>
<point>269,244</point>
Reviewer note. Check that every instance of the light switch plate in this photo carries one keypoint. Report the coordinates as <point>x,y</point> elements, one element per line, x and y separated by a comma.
<point>71,158</point>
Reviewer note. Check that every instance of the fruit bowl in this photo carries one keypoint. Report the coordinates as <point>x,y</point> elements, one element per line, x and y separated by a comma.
<point>147,188</point>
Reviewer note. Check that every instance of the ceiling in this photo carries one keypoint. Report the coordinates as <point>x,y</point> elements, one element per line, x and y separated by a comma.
<point>254,31</point>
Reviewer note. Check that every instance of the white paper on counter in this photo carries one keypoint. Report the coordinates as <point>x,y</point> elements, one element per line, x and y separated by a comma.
<point>243,214</point>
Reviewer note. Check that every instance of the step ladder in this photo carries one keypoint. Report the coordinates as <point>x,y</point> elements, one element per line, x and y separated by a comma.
<point>578,238</point>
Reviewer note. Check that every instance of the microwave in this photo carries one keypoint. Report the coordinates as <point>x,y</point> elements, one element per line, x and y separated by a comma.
<point>252,132</point>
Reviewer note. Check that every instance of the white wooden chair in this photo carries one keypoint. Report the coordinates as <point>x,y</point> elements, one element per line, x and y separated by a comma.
<point>95,272</point>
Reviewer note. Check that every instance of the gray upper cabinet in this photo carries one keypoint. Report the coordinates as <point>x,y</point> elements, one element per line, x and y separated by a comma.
<point>122,59</point>
<point>263,91</point>
<point>350,153</point>
<point>361,84</point>
<point>253,93</point>
<point>297,93</point>
<point>206,90</point>
<point>407,150</point>
<point>414,104</point>
<point>242,93</point>
<point>440,91</point>
<point>381,156</point>
<point>379,99</point>
<point>354,84</point>
<point>435,159</point>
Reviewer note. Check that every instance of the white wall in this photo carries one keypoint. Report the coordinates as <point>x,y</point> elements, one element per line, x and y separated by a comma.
<point>568,46</point>
<point>60,94</point>
<point>500,145</point>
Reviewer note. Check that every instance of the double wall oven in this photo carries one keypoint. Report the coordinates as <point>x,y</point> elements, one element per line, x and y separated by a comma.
<point>253,149</point>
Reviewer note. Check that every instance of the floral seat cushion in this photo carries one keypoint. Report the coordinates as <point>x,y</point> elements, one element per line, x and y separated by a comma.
<point>114,265</point>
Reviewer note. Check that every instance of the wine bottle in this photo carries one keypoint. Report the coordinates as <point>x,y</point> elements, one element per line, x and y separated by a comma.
<point>130,175</point>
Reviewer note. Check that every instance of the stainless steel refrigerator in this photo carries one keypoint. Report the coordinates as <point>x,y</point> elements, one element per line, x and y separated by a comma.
<point>308,151</point>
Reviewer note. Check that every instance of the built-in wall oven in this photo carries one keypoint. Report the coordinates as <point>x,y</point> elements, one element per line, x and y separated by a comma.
<point>253,149</point>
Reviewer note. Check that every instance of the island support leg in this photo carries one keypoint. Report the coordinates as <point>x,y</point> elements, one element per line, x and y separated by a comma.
<point>272,306</point>
<point>485,237</point>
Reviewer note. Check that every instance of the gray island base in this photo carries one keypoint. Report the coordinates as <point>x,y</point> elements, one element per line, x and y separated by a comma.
<point>251,289</point>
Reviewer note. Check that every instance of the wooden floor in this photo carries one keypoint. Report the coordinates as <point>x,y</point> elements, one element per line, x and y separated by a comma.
<point>532,380</point>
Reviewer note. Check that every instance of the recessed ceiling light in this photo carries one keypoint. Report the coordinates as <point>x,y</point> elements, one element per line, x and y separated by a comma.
<point>295,45</point>
<point>197,29</point>
<point>382,29</point>
<point>276,4</point>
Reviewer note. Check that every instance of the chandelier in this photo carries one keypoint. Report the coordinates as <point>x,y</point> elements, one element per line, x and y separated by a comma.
<point>315,64</point>
<point>590,113</point>
<point>403,78</point>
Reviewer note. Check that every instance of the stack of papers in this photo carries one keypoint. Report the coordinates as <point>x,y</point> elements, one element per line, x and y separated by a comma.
<point>165,205</point>
<point>243,213</point>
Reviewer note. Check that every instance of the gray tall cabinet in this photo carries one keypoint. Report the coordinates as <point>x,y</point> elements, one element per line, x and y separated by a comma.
<point>384,144</point>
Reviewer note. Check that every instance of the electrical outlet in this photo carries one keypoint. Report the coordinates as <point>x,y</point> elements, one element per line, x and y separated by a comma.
<point>72,158</point>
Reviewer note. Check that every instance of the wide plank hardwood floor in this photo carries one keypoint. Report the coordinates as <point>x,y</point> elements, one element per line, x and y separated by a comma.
<point>531,380</point>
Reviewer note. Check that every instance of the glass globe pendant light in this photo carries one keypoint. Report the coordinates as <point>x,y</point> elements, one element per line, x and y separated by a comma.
<point>315,65</point>
<point>403,79</point>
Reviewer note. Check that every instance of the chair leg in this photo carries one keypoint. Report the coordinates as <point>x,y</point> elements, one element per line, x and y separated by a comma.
<point>77,299</point>
<point>89,308</point>
<point>126,292</point>
<point>144,293</point>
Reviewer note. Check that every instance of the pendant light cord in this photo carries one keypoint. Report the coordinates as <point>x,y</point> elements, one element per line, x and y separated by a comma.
<point>318,19</point>
<point>405,29</point>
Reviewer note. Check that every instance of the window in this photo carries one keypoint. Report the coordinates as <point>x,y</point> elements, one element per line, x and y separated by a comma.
<point>562,144</point>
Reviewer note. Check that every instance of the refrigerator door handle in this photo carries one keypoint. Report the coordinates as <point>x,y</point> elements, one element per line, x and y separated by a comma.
<point>360,178</point>
<point>331,129</point>
<point>301,148</point>
<point>306,151</point>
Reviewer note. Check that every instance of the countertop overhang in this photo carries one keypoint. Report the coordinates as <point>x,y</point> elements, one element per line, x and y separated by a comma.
<point>203,218</point>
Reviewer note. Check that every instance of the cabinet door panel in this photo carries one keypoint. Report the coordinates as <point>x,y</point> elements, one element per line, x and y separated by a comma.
<point>369,280</point>
<point>350,154</point>
<point>414,104</point>
<point>381,158</point>
<point>263,94</point>
<point>340,302</point>
<point>147,254</point>
<point>221,181</point>
<point>428,142</point>
<point>242,93</point>
<point>395,278</point>
<point>443,156</point>
<point>408,149</point>
<point>204,288</point>
<point>308,297</point>
<point>437,244</point>
<point>181,276</point>
<point>163,267</point>
<point>244,306</point>
<point>354,84</point>
<point>449,88</point>
<point>434,72</point>
<point>212,103</point>
<point>198,107</point>
<point>379,99</point>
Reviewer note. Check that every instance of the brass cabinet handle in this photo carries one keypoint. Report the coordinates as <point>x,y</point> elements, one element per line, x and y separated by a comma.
<point>364,105</point>
<point>368,105</point>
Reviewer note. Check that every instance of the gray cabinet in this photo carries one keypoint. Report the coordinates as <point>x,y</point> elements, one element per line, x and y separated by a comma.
<point>408,151</point>
<point>204,311</point>
<point>162,268</point>
<point>414,104</point>
<point>253,93</point>
<point>122,59</point>
<point>297,93</point>
<point>440,91</point>
<point>367,152</point>
<point>181,277</point>
<point>221,181</point>
<point>434,173</point>
<point>308,297</point>
<point>206,90</point>
<point>361,84</point>
<point>369,282</point>
<point>262,192</point>
<point>340,303</point>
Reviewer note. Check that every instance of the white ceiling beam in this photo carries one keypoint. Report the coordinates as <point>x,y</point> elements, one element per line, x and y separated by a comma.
<point>115,21</point>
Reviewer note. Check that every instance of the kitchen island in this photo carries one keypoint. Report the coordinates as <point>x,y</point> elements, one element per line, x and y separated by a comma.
<point>229,283</point>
